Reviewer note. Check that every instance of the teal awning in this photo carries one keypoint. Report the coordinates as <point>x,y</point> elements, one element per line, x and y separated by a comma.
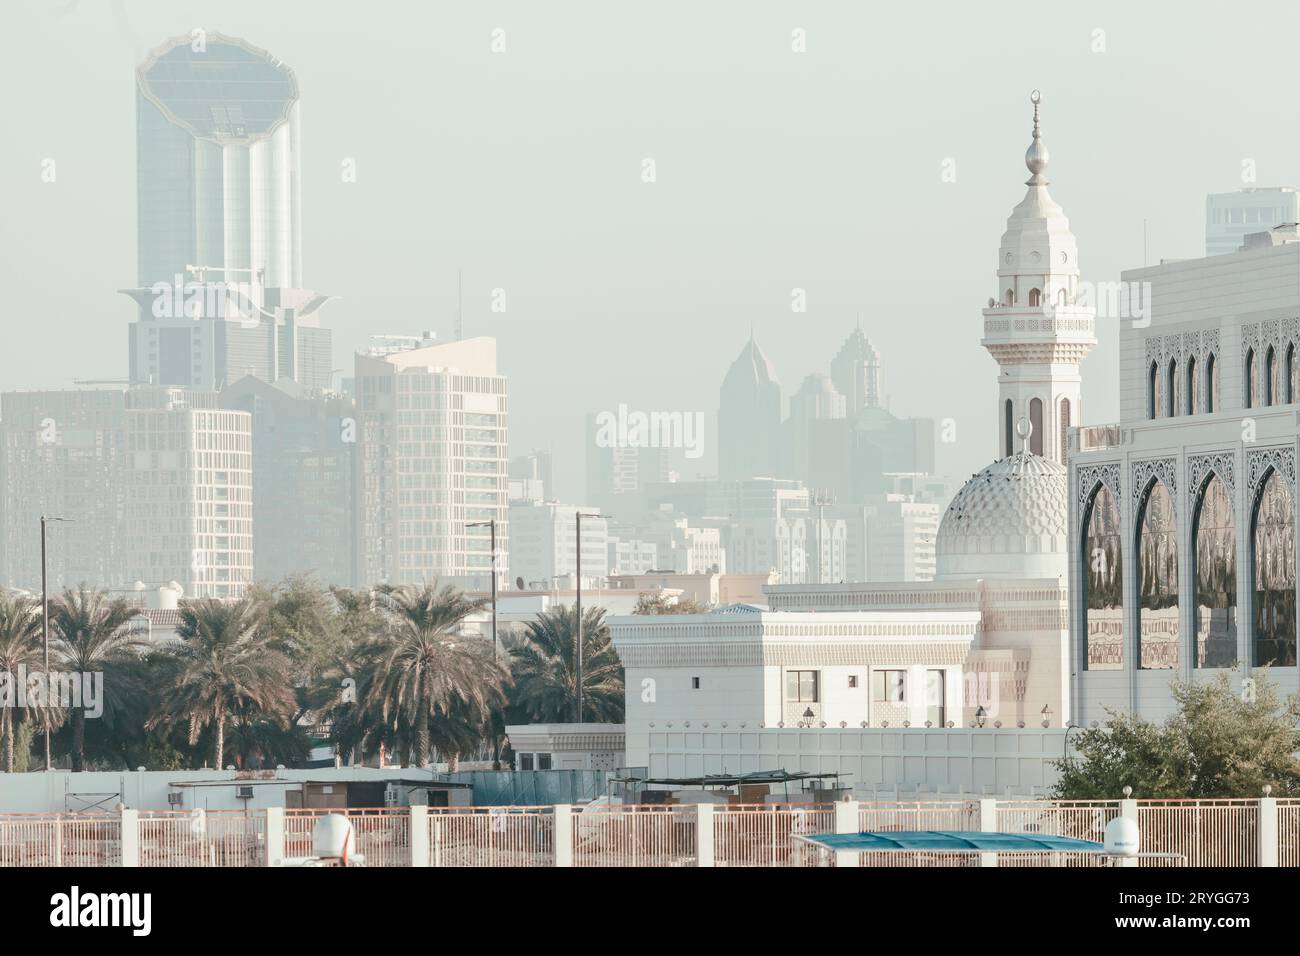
<point>952,841</point>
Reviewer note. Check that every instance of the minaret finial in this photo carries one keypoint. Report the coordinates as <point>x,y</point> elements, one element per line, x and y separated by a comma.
<point>1036,156</point>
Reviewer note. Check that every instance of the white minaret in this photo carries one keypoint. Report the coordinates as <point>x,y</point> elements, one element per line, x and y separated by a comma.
<point>1035,328</point>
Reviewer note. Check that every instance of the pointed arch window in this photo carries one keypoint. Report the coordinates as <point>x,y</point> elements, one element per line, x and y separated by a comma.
<point>1272,575</point>
<point>1214,573</point>
<point>1036,423</point>
<point>1193,388</point>
<point>1289,375</point>
<point>1157,549</point>
<point>1009,297</point>
<point>1154,396</point>
<point>1175,389</point>
<point>1270,377</point>
<point>1251,390</point>
<point>1102,583</point>
<point>1008,429</point>
<point>1035,297</point>
<point>1211,384</point>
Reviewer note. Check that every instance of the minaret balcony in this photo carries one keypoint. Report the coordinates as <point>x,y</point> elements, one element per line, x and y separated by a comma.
<point>1013,324</point>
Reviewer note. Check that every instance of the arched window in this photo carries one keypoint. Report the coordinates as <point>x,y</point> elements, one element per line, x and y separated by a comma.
<point>1270,377</point>
<point>1252,380</point>
<point>1157,581</point>
<point>1193,388</point>
<point>1273,575</point>
<point>1102,577</point>
<point>1175,389</point>
<point>1036,421</point>
<point>1211,384</point>
<point>1214,571</point>
<point>1154,397</point>
<point>1035,297</point>
<point>1065,430</point>
<point>1008,429</point>
<point>1060,297</point>
<point>1289,374</point>
<point>1009,298</point>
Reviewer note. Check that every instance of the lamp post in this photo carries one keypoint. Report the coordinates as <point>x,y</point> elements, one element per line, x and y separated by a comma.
<point>577,603</point>
<point>493,525</point>
<point>45,630</point>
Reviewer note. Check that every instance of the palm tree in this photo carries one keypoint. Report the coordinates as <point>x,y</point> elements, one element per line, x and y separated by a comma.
<point>91,637</point>
<point>544,665</point>
<point>224,668</point>
<point>20,648</point>
<point>422,669</point>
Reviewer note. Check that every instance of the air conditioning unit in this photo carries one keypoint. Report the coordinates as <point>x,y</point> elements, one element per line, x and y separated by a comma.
<point>175,799</point>
<point>391,796</point>
<point>244,793</point>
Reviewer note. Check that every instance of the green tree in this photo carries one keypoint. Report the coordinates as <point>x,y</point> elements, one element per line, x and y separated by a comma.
<point>224,669</point>
<point>20,647</point>
<point>421,680</point>
<point>544,665</point>
<point>1217,744</point>
<point>89,635</point>
<point>658,603</point>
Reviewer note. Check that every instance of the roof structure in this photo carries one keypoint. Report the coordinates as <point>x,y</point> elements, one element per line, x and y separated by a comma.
<point>951,841</point>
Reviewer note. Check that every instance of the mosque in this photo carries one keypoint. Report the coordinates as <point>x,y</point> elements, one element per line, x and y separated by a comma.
<point>984,645</point>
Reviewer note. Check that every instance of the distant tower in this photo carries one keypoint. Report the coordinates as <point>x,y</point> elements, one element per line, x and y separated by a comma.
<point>749,417</point>
<point>1035,328</point>
<point>856,372</point>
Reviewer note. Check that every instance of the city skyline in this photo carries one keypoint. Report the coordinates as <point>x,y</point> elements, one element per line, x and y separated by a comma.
<point>750,221</point>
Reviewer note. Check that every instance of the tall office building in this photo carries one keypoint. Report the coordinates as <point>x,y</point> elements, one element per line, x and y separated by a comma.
<point>304,462</point>
<point>219,221</point>
<point>1230,217</point>
<point>749,417</point>
<point>543,543</point>
<point>189,492</point>
<point>61,455</point>
<point>857,374</point>
<point>431,460</point>
<point>534,470</point>
<point>618,475</point>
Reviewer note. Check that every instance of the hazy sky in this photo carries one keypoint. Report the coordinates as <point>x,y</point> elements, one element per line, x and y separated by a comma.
<point>775,170</point>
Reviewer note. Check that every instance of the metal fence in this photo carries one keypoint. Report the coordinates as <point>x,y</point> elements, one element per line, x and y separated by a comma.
<point>383,836</point>
<point>202,838</point>
<point>35,839</point>
<point>499,836</point>
<point>635,836</point>
<point>1217,833</point>
<point>765,834</point>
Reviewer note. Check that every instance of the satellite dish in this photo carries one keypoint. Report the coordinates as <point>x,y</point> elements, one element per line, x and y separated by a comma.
<point>1122,837</point>
<point>331,838</point>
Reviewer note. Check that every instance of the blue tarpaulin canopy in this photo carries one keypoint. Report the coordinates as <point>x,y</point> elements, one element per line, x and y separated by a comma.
<point>952,841</point>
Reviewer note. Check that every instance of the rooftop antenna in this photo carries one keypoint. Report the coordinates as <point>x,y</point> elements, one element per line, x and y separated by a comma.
<point>460,315</point>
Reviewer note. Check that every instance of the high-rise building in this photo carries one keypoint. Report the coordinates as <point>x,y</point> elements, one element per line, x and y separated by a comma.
<point>219,221</point>
<point>304,463</point>
<point>891,537</point>
<point>1038,328</point>
<point>543,543</point>
<point>189,492</point>
<point>536,470</point>
<point>749,418</point>
<point>1230,217</point>
<point>618,475</point>
<point>62,455</point>
<point>857,374</point>
<point>431,460</point>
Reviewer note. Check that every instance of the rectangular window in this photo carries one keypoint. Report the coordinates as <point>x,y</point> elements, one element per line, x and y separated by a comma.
<point>543,761</point>
<point>695,683</point>
<point>888,686</point>
<point>853,681</point>
<point>525,761</point>
<point>801,686</point>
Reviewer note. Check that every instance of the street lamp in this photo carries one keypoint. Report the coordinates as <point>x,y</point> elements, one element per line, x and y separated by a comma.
<point>45,630</point>
<point>493,525</point>
<point>577,603</point>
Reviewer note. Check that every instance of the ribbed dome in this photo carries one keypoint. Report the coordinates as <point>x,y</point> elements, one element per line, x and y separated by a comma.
<point>1010,520</point>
